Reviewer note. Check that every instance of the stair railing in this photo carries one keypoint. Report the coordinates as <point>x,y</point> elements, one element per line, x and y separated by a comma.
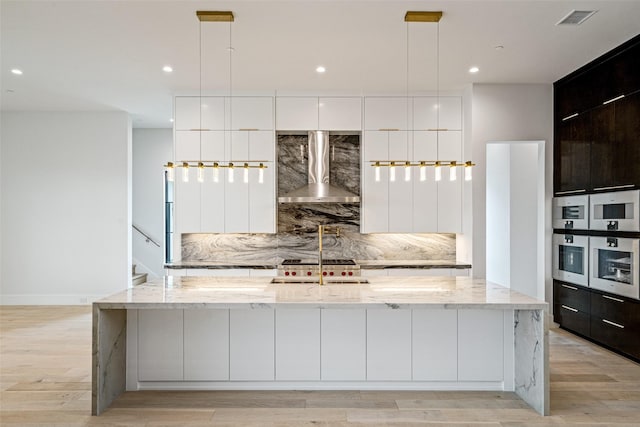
<point>146,236</point>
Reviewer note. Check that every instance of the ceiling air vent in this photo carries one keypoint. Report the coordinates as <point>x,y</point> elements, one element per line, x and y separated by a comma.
<point>576,17</point>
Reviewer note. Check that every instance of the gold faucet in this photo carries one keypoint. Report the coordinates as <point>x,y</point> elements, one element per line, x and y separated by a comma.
<point>323,229</point>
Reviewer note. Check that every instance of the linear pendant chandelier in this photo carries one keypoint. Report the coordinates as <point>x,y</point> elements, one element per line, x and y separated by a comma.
<point>215,165</point>
<point>407,165</point>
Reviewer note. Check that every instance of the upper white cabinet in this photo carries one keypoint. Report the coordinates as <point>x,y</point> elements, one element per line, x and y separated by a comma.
<point>450,192</point>
<point>340,113</point>
<point>255,113</point>
<point>195,113</point>
<point>431,113</point>
<point>384,113</point>
<point>296,113</point>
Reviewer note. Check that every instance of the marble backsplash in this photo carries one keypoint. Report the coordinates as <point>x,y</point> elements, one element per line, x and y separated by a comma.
<point>298,223</point>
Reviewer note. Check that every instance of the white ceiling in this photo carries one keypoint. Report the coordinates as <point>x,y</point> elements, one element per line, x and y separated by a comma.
<point>108,55</point>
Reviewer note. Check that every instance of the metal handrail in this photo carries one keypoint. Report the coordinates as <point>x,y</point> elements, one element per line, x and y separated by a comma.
<point>147,237</point>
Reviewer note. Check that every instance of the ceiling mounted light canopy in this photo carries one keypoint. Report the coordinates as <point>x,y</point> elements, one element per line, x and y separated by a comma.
<point>215,16</point>
<point>413,16</point>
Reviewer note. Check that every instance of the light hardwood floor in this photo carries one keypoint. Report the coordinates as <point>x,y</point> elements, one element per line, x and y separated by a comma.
<point>45,380</point>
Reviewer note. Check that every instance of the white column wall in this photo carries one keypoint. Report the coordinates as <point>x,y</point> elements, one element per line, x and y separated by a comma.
<point>152,148</point>
<point>509,112</point>
<point>66,206</point>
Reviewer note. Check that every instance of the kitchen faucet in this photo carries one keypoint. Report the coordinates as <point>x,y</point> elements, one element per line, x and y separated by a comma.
<point>323,229</point>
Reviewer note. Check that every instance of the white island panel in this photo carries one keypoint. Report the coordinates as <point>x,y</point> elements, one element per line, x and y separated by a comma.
<point>251,346</point>
<point>344,345</point>
<point>435,345</point>
<point>206,345</point>
<point>298,344</point>
<point>480,345</point>
<point>389,345</point>
<point>160,345</point>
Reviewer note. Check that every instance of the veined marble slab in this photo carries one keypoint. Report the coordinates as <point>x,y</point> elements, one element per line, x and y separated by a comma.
<point>380,292</point>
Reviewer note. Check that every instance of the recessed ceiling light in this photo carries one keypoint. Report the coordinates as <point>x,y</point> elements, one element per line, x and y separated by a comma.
<point>171,120</point>
<point>320,69</point>
<point>498,47</point>
<point>167,69</point>
<point>16,71</point>
<point>474,69</point>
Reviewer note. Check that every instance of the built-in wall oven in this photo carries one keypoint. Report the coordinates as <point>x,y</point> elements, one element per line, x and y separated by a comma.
<point>571,212</point>
<point>618,211</point>
<point>571,258</point>
<point>614,263</point>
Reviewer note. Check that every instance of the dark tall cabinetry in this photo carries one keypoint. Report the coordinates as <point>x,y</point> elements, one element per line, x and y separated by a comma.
<point>597,124</point>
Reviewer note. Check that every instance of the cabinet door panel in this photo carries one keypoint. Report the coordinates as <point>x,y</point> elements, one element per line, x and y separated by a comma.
<point>262,201</point>
<point>212,146</point>
<point>375,203</point>
<point>627,139</point>
<point>343,345</point>
<point>572,154</point>
<point>450,192</point>
<point>187,146</point>
<point>212,194</point>
<point>251,348</point>
<point>296,113</point>
<point>262,146</point>
<point>480,345</point>
<point>298,344</point>
<point>340,113</point>
<point>425,193</point>
<point>435,345</point>
<point>213,112</point>
<point>236,202</point>
<point>387,113</point>
<point>400,190</point>
<point>206,345</point>
<point>605,155</point>
<point>252,113</point>
<point>239,148</point>
<point>389,345</point>
<point>187,203</point>
<point>160,344</point>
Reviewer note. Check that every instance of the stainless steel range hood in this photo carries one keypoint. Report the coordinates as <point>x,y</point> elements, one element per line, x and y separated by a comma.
<point>319,190</point>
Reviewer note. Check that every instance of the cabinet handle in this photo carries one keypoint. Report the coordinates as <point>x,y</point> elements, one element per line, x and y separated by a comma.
<point>389,129</point>
<point>617,325</point>
<point>570,192</point>
<point>248,129</point>
<point>612,298</point>
<point>570,287</point>
<point>570,308</point>
<point>438,130</point>
<point>615,187</point>
<point>199,130</point>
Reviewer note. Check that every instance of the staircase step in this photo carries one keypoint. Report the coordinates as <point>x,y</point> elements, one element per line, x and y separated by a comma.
<point>139,279</point>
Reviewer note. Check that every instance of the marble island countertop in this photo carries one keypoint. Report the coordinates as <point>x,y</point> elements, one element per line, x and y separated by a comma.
<point>367,264</point>
<point>380,292</point>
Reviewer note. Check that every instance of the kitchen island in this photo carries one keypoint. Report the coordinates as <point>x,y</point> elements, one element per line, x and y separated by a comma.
<point>392,333</point>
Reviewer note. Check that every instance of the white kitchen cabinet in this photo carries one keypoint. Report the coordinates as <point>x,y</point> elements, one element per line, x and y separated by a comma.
<point>262,200</point>
<point>212,215</point>
<point>187,146</point>
<point>195,113</point>
<point>434,345</point>
<point>251,348</point>
<point>450,192</point>
<point>261,146</point>
<point>160,345</point>
<point>212,148</point>
<point>251,112</point>
<point>375,200</point>
<point>425,193</point>
<point>297,344</point>
<point>192,146</point>
<point>382,113</point>
<point>480,345</point>
<point>427,108</point>
<point>236,202</point>
<point>206,345</point>
<point>404,272</point>
<point>296,113</point>
<point>344,344</point>
<point>340,113</point>
<point>400,190</point>
<point>187,202</point>
<point>389,345</point>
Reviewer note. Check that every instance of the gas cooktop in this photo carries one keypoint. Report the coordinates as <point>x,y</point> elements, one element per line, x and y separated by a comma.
<point>315,262</point>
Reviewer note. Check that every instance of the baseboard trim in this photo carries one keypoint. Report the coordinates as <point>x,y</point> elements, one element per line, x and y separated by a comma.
<point>70,299</point>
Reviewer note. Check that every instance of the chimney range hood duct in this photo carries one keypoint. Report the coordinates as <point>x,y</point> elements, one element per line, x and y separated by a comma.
<point>319,190</point>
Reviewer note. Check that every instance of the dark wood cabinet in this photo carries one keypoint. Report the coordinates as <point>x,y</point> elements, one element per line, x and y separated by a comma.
<point>606,319</point>
<point>627,138</point>
<point>572,155</point>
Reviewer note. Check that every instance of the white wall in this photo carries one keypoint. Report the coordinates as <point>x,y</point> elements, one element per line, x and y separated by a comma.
<point>509,112</point>
<point>152,148</point>
<point>515,215</point>
<point>66,206</point>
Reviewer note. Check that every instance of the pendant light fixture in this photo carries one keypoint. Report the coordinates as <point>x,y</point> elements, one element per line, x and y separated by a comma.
<point>214,164</point>
<point>438,164</point>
